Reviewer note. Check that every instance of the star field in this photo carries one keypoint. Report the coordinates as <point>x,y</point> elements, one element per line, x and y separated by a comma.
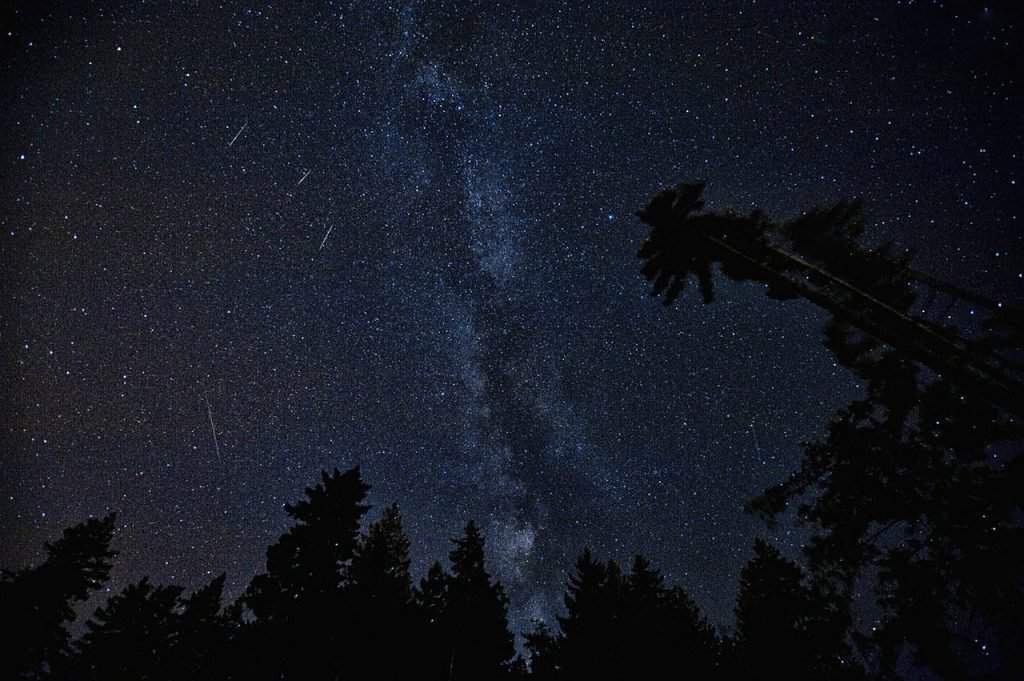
<point>246,242</point>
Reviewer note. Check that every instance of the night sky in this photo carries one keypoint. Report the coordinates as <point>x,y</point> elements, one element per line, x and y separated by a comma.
<point>242,243</point>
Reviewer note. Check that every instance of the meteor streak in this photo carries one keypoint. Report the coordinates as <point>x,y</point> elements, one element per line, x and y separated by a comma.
<point>213,429</point>
<point>325,238</point>
<point>242,129</point>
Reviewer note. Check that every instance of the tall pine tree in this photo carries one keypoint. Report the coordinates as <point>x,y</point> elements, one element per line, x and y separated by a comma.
<point>476,614</point>
<point>379,601</point>
<point>301,629</point>
<point>589,645</point>
<point>431,649</point>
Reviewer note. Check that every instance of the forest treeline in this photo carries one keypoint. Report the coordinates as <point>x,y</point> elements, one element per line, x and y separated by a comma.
<point>913,495</point>
<point>339,602</point>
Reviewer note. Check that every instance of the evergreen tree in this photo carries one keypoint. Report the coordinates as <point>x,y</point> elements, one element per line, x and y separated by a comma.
<point>544,649</point>
<point>476,614</point>
<point>784,627</point>
<point>205,647</point>
<point>131,637</point>
<point>625,627</point>
<point>432,594</point>
<point>380,566</point>
<point>684,639</point>
<point>662,629</point>
<point>301,629</point>
<point>306,564</point>
<point>379,600</point>
<point>432,651</point>
<point>152,632</point>
<point>38,603</point>
<point>591,627</point>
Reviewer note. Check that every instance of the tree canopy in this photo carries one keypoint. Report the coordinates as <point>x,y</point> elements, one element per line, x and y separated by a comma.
<point>916,486</point>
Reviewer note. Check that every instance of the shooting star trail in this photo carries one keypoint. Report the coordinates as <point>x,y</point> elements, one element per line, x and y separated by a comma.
<point>304,177</point>
<point>213,429</point>
<point>325,239</point>
<point>241,130</point>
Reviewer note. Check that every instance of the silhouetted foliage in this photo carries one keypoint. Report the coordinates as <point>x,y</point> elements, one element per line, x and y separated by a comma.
<point>338,604</point>
<point>663,627</point>
<point>777,610</point>
<point>475,614</point>
<point>431,648</point>
<point>623,627</point>
<point>588,643</point>
<point>379,601</point>
<point>208,635</point>
<point>133,636</point>
<point>306,565</point>
<point>917,485</point>
<point>38,603</point>
<point>818,256</point>
<point>298,604</point>
<point>543,649</point>
<point>152,632</point>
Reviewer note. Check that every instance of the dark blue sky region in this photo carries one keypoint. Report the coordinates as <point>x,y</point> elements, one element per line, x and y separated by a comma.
<point>245,242</point>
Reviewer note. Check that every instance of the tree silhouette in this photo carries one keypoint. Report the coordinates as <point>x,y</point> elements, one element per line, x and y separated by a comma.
<point>207,639</point>
<point>298,604</point>
<point>152,632</point>
<point>38,603</point>
<point>132,636</point>
<point>360,617</point>
<point>663,628</point>
<point>590,628</point>
<point>777,610</point>
<point>431,650</point>
<point>623,627</point>
<point>818,256</point>
<point>917,485</point>
<point>379,599</point>
<point>544,651</point>
<point>927,506</point>
<point>475,614</point>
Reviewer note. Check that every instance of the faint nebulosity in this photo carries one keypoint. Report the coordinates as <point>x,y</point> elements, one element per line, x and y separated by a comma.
<point>242,244</point>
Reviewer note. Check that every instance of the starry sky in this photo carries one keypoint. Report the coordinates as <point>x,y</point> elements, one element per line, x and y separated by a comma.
<point>244,242</point>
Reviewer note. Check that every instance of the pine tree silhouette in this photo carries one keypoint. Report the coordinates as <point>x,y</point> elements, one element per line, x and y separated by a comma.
<point>379,599</point>
<point>132,636</point>
<point>206,644</point>
<point>359,616</point>
<point>475,614</point>
<point>152,632</point>
<point>624,627</point>
<point>544,652</point>
<point>432,651</point>
<point>591,626</point>
<point>38,603</point>
<point>662,628</point>
<point>777,610</point>
<point>300,628</point>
